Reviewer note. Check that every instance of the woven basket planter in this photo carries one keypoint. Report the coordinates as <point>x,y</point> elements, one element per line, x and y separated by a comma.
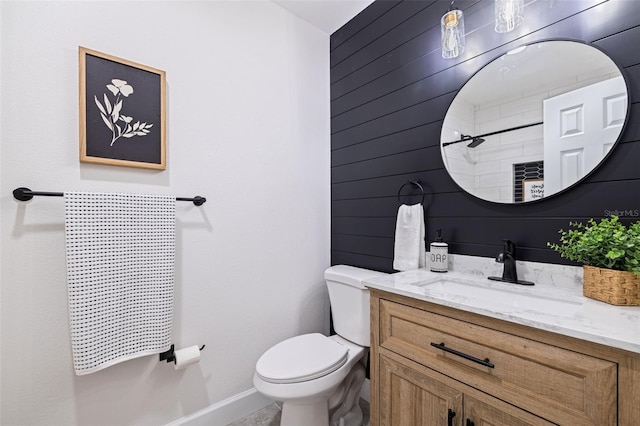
<point>620,288</point>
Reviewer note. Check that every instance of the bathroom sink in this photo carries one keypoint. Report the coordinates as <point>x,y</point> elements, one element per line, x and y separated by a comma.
<point>501,296</point>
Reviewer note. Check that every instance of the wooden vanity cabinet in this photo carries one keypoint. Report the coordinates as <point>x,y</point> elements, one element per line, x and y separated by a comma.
<point>429,361</point>
<point>412,397</point>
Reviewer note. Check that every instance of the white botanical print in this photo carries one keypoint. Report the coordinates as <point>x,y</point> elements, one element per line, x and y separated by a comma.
<point>120,124</point>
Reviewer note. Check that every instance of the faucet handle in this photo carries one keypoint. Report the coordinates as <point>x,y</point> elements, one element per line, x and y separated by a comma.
<point>509,246</point>
<point>508,258</point>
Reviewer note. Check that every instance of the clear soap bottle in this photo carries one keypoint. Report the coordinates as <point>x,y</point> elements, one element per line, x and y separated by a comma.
<point>439,254</point>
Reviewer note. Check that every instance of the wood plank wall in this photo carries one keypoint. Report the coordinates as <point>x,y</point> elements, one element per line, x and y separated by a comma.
<point>390,90</point>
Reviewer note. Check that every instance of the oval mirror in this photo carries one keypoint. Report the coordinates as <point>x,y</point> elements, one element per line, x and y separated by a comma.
<point>534,121</point>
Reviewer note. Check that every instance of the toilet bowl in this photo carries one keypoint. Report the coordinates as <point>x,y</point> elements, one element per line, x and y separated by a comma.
<point>321,365</point>
<point>318,378</point>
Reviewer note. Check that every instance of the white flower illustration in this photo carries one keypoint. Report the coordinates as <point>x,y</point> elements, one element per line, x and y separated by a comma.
<point>120,86</point>
<point>110,113</point>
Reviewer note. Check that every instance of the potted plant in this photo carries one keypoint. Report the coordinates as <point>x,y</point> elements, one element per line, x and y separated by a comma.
<point>610,252</point>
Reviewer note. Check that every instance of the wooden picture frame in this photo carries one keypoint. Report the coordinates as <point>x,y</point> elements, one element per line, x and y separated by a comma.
<point>532,189</point>
<point>122,112</point>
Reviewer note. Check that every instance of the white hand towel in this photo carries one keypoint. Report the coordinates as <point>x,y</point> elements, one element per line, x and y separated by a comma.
<point>409,250</point>
<point>120,270</point>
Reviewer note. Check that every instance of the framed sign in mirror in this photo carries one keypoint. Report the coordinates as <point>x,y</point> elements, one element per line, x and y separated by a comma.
<point>559,105</point>
<point>122,112</point>
<point>532,189</point>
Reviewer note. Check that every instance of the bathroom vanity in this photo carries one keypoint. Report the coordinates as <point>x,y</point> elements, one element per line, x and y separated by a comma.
<point>456,349</point>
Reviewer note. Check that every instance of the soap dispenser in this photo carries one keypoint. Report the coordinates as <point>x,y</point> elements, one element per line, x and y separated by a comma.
<point>439,251</point>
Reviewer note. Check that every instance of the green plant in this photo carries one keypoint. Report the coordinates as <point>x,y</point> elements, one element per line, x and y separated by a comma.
<point>605,244</point>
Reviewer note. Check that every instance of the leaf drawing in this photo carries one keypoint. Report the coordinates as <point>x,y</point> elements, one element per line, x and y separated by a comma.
<point>107,122</point>
<point>115,114</point>
<point>107,103</point>
<point>111,112</point>
<point>100,107</point>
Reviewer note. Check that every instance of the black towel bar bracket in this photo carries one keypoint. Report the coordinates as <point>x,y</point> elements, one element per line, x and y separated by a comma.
<point>25,194</point>
<point>169,355</point>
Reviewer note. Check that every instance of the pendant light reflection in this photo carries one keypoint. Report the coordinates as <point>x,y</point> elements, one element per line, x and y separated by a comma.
<point>509,14</point>
<point>452,32</point>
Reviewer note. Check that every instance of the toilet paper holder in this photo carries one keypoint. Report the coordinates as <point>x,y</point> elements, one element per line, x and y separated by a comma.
<point>169,355</point>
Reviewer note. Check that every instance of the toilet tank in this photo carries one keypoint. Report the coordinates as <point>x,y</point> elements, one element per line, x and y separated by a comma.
<point>350,301</point>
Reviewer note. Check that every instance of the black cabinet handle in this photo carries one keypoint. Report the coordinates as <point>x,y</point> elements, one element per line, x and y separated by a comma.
<point>484,362</point>
<point>470,423</point>
<point>450,415</point>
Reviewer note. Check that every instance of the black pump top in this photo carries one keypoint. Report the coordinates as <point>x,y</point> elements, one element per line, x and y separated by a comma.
<point>439,236</point>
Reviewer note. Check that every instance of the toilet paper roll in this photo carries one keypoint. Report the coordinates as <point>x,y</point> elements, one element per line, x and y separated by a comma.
<point>186,357</point>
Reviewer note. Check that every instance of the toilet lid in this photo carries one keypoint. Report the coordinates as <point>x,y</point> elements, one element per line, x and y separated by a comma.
<point>301,358</point>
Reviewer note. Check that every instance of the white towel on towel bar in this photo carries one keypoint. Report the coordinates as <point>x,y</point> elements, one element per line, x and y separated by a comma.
<point>409,249</point>
<point>120,270</point>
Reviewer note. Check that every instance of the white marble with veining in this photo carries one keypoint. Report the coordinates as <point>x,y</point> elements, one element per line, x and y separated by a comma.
<point>551,275</point>
<point>554,304</point>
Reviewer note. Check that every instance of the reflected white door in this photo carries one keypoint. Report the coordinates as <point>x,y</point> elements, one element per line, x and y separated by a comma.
<point>580,127</point>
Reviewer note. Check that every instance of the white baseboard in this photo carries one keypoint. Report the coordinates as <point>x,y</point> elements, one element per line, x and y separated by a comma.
<point>239,406</point>
<point>227,411</point>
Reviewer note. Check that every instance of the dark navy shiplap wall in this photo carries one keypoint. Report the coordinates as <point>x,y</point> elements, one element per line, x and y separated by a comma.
<point>390,90</point>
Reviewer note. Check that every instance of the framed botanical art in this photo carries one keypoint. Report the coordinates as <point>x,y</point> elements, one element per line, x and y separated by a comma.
<point>122,112</point>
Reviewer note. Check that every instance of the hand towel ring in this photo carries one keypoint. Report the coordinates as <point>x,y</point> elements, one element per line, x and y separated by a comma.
<point>412,182</point>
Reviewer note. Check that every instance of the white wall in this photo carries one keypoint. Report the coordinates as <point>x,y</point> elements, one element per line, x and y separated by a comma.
<point>248,127</point>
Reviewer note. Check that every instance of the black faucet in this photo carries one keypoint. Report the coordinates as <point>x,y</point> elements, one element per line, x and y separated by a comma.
<point>508,257</point>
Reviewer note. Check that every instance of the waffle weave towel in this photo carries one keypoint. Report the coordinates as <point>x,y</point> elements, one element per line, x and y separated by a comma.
<point>120,269</point>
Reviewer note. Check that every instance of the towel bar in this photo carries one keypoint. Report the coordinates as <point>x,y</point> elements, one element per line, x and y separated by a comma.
<point>412,182</point>
<point>25,194</point>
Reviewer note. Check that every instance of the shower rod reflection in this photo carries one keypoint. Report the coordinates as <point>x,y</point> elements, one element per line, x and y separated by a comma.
<point>477,140</point>
<point>25,194</point>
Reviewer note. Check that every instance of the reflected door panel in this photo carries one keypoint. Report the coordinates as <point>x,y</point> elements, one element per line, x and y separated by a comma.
<point>580,127</point>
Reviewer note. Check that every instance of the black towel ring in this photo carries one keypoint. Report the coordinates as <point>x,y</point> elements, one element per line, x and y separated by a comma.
<point>412,182</point>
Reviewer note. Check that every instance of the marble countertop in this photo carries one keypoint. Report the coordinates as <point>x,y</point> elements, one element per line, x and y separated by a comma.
<point>558,309</point>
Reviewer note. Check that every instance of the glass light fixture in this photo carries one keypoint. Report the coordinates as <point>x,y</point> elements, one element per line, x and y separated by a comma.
<point>509,14</point>
<point>452,32</point>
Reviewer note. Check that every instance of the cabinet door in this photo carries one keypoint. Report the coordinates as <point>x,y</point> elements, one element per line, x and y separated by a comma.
<point>477,413</point>
<point>409,398</point>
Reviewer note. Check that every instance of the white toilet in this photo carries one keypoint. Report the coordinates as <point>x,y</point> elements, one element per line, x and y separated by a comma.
<point>318,378</point>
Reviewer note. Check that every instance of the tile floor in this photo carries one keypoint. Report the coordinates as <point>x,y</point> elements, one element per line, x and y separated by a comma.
<point>270,416</point>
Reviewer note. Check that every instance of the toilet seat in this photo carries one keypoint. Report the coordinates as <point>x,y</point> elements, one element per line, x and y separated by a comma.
<point>301,358</point>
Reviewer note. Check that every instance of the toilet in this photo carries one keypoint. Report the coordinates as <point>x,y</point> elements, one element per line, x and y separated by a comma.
<point>318,378</point>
